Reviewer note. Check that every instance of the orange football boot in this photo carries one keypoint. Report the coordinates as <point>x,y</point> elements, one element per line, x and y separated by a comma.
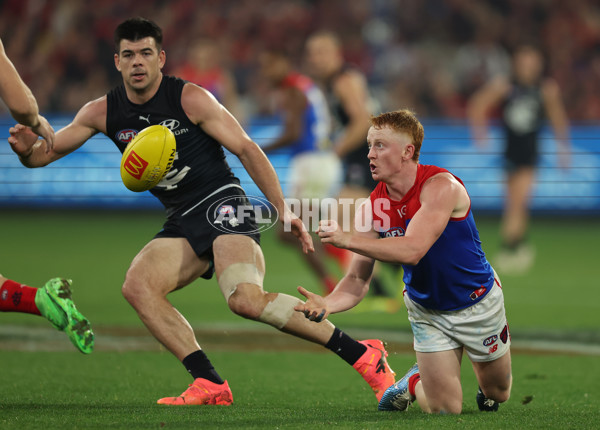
<point>202,392</point>
<point>374,368</point>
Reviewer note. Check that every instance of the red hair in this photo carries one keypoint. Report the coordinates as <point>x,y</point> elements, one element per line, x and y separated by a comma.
<point>404,121</point>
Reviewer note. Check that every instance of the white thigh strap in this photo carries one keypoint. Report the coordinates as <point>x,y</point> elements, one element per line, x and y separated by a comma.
<point>239,273</point>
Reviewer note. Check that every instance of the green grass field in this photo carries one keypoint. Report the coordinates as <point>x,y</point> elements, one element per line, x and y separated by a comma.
<point>277,381</point>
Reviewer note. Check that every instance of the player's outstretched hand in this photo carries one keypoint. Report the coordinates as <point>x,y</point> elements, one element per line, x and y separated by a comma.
<point>330,232</point>
<point>45,130</point>
<point>22,140</point>
<point>299,230</point>
<point>315,307</point>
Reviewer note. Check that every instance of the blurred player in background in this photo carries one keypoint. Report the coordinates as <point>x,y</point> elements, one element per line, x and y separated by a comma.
<point>314,170</point>
<point>350,108</point>
<point>525,99</point>
<point>52,301</point>
<point>420,216</point>
<point>204,67</point>
<point>190,246</point>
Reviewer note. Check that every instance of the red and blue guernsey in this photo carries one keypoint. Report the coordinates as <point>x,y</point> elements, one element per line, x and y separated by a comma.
<point>316,122</point>
<point>454,274</point>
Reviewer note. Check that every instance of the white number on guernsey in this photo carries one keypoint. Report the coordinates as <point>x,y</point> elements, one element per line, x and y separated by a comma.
<point>173,177</point>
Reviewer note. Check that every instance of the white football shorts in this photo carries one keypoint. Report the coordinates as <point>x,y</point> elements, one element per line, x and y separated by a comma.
<point>314,175</point>
<point>481,329</point>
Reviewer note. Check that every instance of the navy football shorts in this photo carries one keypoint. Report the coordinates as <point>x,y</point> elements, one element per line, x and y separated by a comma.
<point>220,213</point>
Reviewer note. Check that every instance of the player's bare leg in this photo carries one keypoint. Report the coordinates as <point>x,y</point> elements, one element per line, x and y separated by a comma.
<point>495,378</point>
<point>161,267</point>
<point>249,300</point>
<point>516,215</point>
<point>240,254</point>
<point>434,383</point>
<point>516,256</point>
<point>440,390</point>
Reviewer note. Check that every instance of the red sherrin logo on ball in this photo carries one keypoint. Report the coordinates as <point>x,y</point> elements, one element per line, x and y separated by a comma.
<point>135,165</point>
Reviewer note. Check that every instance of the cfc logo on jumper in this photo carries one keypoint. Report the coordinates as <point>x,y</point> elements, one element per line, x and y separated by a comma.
<point>173,125</point>
<point>237,214</point>
<point>135,165</point>
<point>127,135</point>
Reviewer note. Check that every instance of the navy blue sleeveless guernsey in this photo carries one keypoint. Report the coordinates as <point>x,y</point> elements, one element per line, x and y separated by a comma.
<point>522,120</point>
<point>454,274</point>
<point>199,167</point>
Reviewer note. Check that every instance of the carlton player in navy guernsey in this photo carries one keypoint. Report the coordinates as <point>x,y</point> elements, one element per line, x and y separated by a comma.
<point>199,166</point>
<point>525,100</point>
<point>191,243</point>
<point>420,216</point>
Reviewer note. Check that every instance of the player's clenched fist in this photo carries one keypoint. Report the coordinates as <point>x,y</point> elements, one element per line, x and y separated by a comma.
<point>330,232</point>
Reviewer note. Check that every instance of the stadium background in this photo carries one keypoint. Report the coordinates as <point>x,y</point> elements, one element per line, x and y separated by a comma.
<point>76,219</point>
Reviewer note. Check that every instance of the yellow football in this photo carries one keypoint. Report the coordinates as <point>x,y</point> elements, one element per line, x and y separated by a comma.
<point>148,158</point>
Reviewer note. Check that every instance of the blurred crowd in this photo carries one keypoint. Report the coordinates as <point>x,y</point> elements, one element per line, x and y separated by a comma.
<point>429,55</point>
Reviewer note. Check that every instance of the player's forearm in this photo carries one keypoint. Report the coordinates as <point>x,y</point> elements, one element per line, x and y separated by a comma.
<point>399,250</point>
<point>263,174</point>
<point>16,94</point>
<point>292,131</point>
<point>22,106</point>
<point>560,124</point>
<point>563,140</point>
<point>29,118</point>
<point>347,294</point>
<point>478,121</point>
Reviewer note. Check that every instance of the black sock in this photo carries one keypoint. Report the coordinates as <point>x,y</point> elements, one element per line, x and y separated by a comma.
<point>514,244</point>
<point>346,347</point>
<point>199,366</point>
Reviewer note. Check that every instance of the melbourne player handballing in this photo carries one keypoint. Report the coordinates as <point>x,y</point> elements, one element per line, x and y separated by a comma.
<point>420,216</point>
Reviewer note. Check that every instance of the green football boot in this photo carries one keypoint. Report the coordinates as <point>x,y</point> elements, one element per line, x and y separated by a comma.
<point>56,305</point>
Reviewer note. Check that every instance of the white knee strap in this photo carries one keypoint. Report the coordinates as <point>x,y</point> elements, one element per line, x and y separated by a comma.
<point>279,311</point>
<point>239,273</point>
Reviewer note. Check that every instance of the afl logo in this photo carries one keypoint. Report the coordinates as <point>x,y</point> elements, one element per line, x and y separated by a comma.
<point>490,340</point>
<point>393,232</point>
<point>171,124</point>
<point>127,135</point>
<point>228,213</point>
